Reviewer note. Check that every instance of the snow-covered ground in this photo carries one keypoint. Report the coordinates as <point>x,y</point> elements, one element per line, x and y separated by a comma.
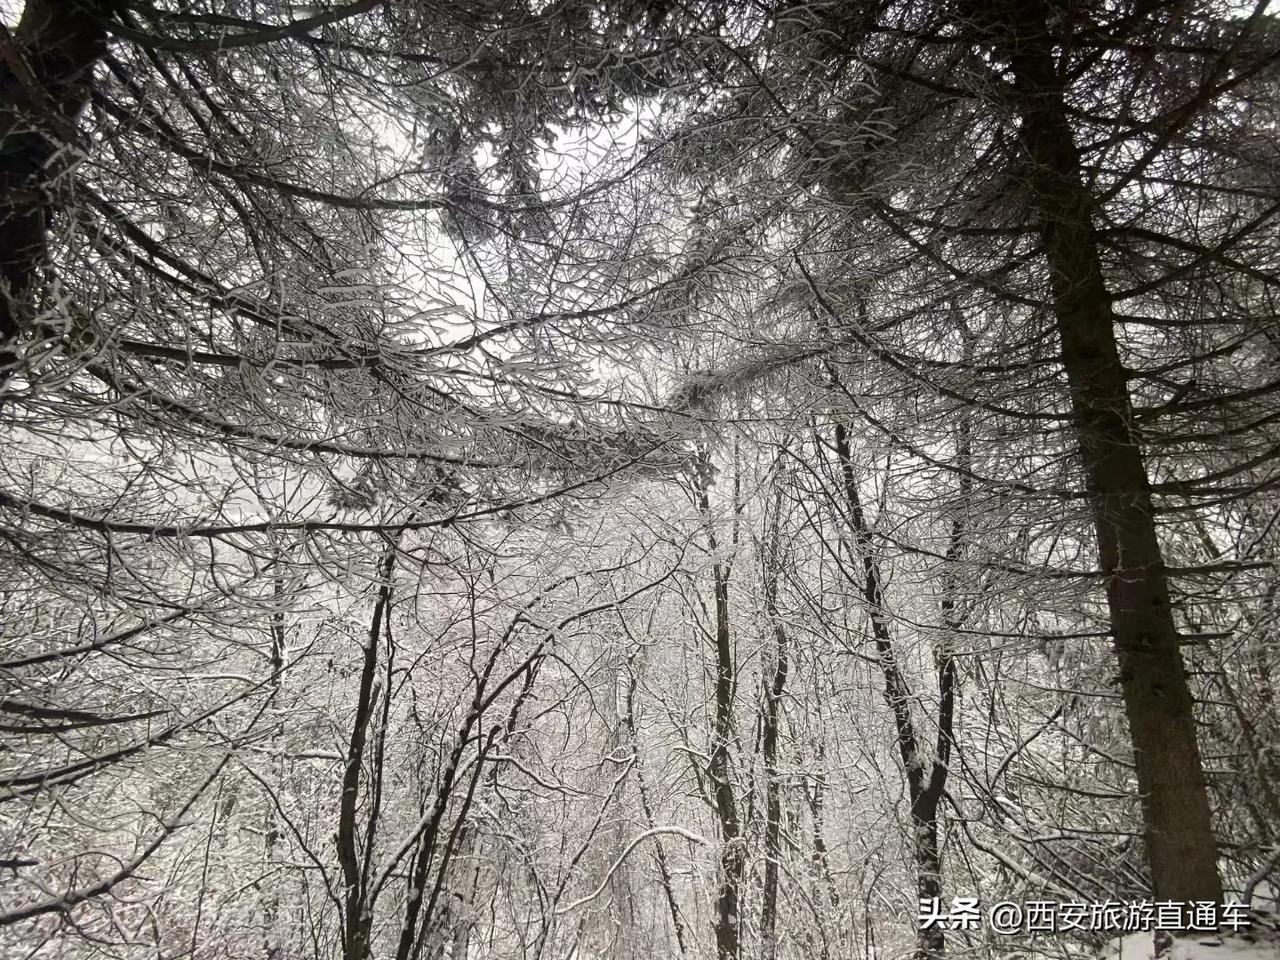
<point>1139,946</point>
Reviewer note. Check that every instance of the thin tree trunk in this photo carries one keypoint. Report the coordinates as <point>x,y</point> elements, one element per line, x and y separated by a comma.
<point>817,811</point>
<point>816,799</point>
<point>732,859</point>
<point>646,805</point>
<point>926,777</point>
<point>271,831</point>
<point>774,687</point>
<point>460,937</point>
<point>355,864</point>
<point>925,807</point>
<point>1158,703</point>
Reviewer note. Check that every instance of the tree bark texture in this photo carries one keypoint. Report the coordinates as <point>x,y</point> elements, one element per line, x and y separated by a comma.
<point>1157,698</point>
<point>926,776</point>
<point>774,688</point>
<point>732,861</point>
<point>46,69</point>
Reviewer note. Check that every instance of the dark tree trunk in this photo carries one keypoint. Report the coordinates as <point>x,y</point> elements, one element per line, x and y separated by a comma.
<point>775,686</point>
<point>1171,780</point>
<point>732,860</point>
<point>926,776</point>
<point>646,805</point>
<point>731,853</point>
<point>816,799</point>
<point>271,827</point>
<point>46,70</point>
<point>353,856</point>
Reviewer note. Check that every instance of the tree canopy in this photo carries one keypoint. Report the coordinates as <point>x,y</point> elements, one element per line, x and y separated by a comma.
<point>597,479</point>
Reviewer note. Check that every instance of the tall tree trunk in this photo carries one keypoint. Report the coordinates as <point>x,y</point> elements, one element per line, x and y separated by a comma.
<point>775,684</point>
<point>732,858</point>
<point>646,805</point>
<point>46,69</point>
<point>463,898</point>
<point>926,776</point>
<point>271,828</point>
<point>816,799</point>
<point>1171,780</point>
<point>353,856</point>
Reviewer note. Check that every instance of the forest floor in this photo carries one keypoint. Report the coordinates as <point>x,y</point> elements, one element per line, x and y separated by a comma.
<point>1256,945</point>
